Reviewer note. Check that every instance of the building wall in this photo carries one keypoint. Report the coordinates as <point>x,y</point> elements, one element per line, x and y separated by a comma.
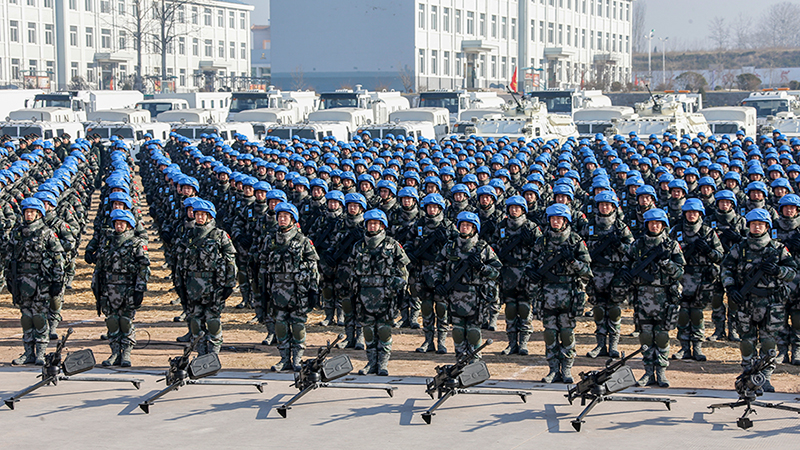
<point>93,39</point>
<point>261,53</point>
<point>331,45</point>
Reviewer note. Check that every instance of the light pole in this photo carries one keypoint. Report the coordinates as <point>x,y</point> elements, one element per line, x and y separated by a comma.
<point>664,60</point>
<point>649,38</point>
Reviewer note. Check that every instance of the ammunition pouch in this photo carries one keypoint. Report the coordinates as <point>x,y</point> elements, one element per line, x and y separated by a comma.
<point>78,362</point>
<point>336,367</point>
<point>204,366</point>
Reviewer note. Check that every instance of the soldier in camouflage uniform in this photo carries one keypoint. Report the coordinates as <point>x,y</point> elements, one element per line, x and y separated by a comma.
<point>290,278</point>
<point>378,270</point>
<point>401,228</point>
<point>120,278</point>
<point>465,267</point>
<point>558,271</point>
<point>608,239</point>
<point>787,231</point>
<point>657,290</point>
<point>514,239</point>
<point>208,273</point>
<point>703,252</point>
<point>244,220</point>
<point>35,275</point>
<point>321,233</point>
<point>762,310</point>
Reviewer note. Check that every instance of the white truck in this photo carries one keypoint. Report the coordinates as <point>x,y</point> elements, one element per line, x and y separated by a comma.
<point>45,122</point>
<point>83,102</point>
<point>192,115</point>
<point>156,107</point>
<point>380,104</point>
<point>14,99</point>
<point>263,119</point>
<point>353,118</point>
<point>130,125</point>
<point>299,103</point>
<point>217,101</point>
<point>438,118</point>
<point>458,102</point>
<point>225,130</point>
<point>663,113</point>
<point>770,102</point>
<point>311,130</point>
<point>730,119</point>
<point>528,119</point>
<point>567,101</point>
<point>591,121</point>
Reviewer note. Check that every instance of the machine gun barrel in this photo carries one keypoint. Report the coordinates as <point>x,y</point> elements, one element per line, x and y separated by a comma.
<point>446,375</point>
<point>590,381</point>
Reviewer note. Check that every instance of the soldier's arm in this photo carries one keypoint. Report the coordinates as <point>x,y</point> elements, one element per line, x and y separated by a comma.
<point>491,264</point>
<point>582,262</point>
<point>729,264</point>
<point>227,261</point>
<point>717,252</point>
<point>54,258</point>
<point>310,259</point>
<point>143,272</point>
<point>787,264</point>
<point>673,265</point>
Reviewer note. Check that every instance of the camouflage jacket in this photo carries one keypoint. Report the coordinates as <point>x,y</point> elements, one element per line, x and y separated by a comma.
<point>378,273</point>
<point>743,263</point>
<point>476,287</point>
<point>288,269</point>
<point>37,259</point>
<point>563,284</point>
<point>208,264</point>
<point>123,267</point>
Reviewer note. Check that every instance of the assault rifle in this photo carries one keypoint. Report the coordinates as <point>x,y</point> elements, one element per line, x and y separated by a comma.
<point>598,385</point>
<point>545,272</point>
<point>437,236</point>
<point>597,254</point>
<point>75,363</point>
<point>750,285</point>
<point>750,385</point>
<point>346,245</point>
<point>455,378</point>
<point>653,254</point>
<point>318,372</point>
<point>185,371</point>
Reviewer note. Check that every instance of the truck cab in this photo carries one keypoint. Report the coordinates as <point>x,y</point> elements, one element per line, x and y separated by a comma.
<point>46,122</point>
<point>157,106</point>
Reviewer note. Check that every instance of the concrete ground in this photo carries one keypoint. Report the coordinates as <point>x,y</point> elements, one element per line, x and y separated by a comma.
<point>92,415</point>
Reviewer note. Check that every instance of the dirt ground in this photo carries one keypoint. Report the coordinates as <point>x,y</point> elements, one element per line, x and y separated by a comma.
<point>242,349</point>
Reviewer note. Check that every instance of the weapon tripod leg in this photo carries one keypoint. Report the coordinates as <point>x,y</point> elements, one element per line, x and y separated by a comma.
<point>730,405</point>
<point>578,421</point>
<point>523,395</point>
<point>11,401</point>
<point>257,384</point>
<point>384,387</point>
<point>137,382</point>
<point>428,415</point>
<point>288,405</point>
<point>145,405</point>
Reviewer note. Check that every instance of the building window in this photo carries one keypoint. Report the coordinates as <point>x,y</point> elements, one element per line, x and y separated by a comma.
<point>434,17</point>
<point>105,6</point>
<point>494,66</point>
<point>613,42</point>
<point>503,67</point>
<point>31,32</point>
<point>89,37</point>
<point>73,5</point>
<point>232,53</point>
<point>470,22</point>
<point>627,44</point>
<point>541,31</point>
<point>48,34</point>
<point>446,20</point>
<point>513,63</point>
<point>244,50</point>
<point>89,73</point>
<point>514,30</point>
<point>494,26</point>
<point>221,49</point>
<point>105,38</point>
<point>123,70</point>
<point>421,61</point>
<point>88,5</point>
<point>33,66</point>
<point>221,18</point>
<point>15,68</point>
<point>608,43</point>
<point>194,15</point>
<point>73,71</point>
<point>207,17</point>
<point>182,77</point>
<point>560,34</point>
<point>121,8</point>
<point>458,21</point>
<point>195,47</point>
<point>550,33</point>
<point>73,35</point>
<point>13,31</point>
<point>446,64</point>
<point>583,38</point>
<point>615,10</point>
<point>242,21</point>
<point>503,28</point>
<point>600,8</point>
<point>583,10</point>
<point>231,19</point>
<point>482,24</point>
<point>50,66</point>
<point>600,41</point>
<point>30,2</point>
<point>123,40</point>
<point>483,66</point>
<point>434,62</point>
<point>421,17</point>
<point>569,35</point>
<point>608,8</point>
<point>459,63</point>
<point>208,48</point>
<point>181,45</point>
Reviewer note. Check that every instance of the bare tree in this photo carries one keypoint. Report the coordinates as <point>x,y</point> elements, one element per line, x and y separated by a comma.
<point>298,79</point>
<point>638,25</point>
<point>779,26</point>
<point>742,32</point>
<point>719,33</point>
<point>169,18</point>
<point>136,24</point>
<point>406,77</point>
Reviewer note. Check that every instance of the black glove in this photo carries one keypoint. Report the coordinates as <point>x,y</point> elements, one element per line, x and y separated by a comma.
<point>626,277</point>
<point>732,235</point>
<point>770,268</point>
<point>138,298</point>
<point>329,260</point>
<point>441,290</point>
<point>534,275</point>
<point>793,243</point>
<point>90,258</point>
<point>412,257</point>
<point>527,235</point>
<point>702,245</point>
<point>313,299</point>
<point>440,234</point>
<point>475,260</point>
<point>224,293</point>
<point>54,290</point>
<point>735,296</point>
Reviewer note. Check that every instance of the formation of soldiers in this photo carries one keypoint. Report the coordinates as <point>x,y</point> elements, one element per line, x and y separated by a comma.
<point>380,233</point>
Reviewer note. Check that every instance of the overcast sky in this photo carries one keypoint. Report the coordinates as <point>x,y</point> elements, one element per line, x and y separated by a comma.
<point>685,22</point>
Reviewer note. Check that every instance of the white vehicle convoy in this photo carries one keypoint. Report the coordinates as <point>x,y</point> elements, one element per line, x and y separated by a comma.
<point>217,101</point>
<point>353,118</point>
<point>438,118</point>
<point>298,103</point>
<point>14,99</point>
<point>567,101</point>
<point>263,119</point>
<point>45,122</point>
<point>130,125</point>
<point>458,102</point>
<point>156,107</point>
<point>663,113</point>
<point>83,102</point>
<point>527,119</point>
<point>381,104</point>
<point>730,119</point>
<point>192,115</point>
<point>786,122</point>
<point>225,130</point>
<point>311,130</point>
<point>591,121</point>
<point>771,102</point>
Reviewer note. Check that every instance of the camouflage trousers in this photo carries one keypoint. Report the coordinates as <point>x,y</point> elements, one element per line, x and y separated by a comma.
<point>432,308</point>
<point>119,323</point>
<point>328,297</point>
<point>559,334</point>
<point>519,312</point>
<point>205,316</point>
<point>763,321</point>
<point>35,327</point>
<point>244,277</point>
<point>466,332</point>
<point>290,328</point>
<point>607,313</point>
<point>377,332</point>
<point>54,308</point>
<point>691,324</point>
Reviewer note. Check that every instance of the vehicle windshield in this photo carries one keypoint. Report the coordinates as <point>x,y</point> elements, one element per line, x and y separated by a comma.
<point>766,108</point>
<point>439,100</point>
<point>246,102</point>
<point>724,128</point>
<point>20,131</point>
<point>154,108</point>
<point>52,102</point>
<point>338,100</point>
<point>287,133</point>
<point>557,101</point>
<point>106,132</point>
<point>643,127</point>
<point>500,127</point>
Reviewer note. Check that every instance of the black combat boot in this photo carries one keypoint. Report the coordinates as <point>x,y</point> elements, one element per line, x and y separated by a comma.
<point>513,344</point>
<point>697,351</point>
<point>441,342</point>
<point>613,345</point>
<point>114,359</point>
<point>661,376</point>
<point>29,357</point>
<point>524,337</point>
<point>372,366</point>
<point>600,349</point>
<point>285,363</point>
<point>648,379</point>
<point>554,376</point>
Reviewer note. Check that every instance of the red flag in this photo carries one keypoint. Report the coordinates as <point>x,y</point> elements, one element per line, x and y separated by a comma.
<point>513,85</point>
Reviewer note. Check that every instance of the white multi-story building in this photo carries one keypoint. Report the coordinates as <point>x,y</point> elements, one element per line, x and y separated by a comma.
<point>91,43</point>
<point>446,44</point>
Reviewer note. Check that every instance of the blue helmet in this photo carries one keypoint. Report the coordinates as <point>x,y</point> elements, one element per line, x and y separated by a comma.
<point>678,184</point>
<point>694,204</point>
<point>466,216</point>
<point>376,214</point>
<point>122,198</point>
<point>276,194</point>
<point>517,200</point>
<point>289,208</point>
<point>460,188</point>
<point>356,198</point>
<point>434,199</point>
<point>756,186</point>
<point>725,194</point>
<point>564,189</point>
<point>790,200</point>
<point>46,196</point>
<point>123,215</point>
<point>386,184</point>
<point>409,192</point>
<point>560,210</point>
<point>656,215</point>
<point>206,207</point>
<point>487,190</point>
<point>607,197</point>
<point>335,195</point>
<point>262,186</point>
<point>33,203</point>
<point>759,215</point>
<point>646,190</point>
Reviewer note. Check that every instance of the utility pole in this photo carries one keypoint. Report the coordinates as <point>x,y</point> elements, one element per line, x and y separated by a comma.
<point>649,38</point>
<point>664,60</point>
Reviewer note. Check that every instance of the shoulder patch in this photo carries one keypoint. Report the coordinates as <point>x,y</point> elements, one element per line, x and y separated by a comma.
<point>144,247</point>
